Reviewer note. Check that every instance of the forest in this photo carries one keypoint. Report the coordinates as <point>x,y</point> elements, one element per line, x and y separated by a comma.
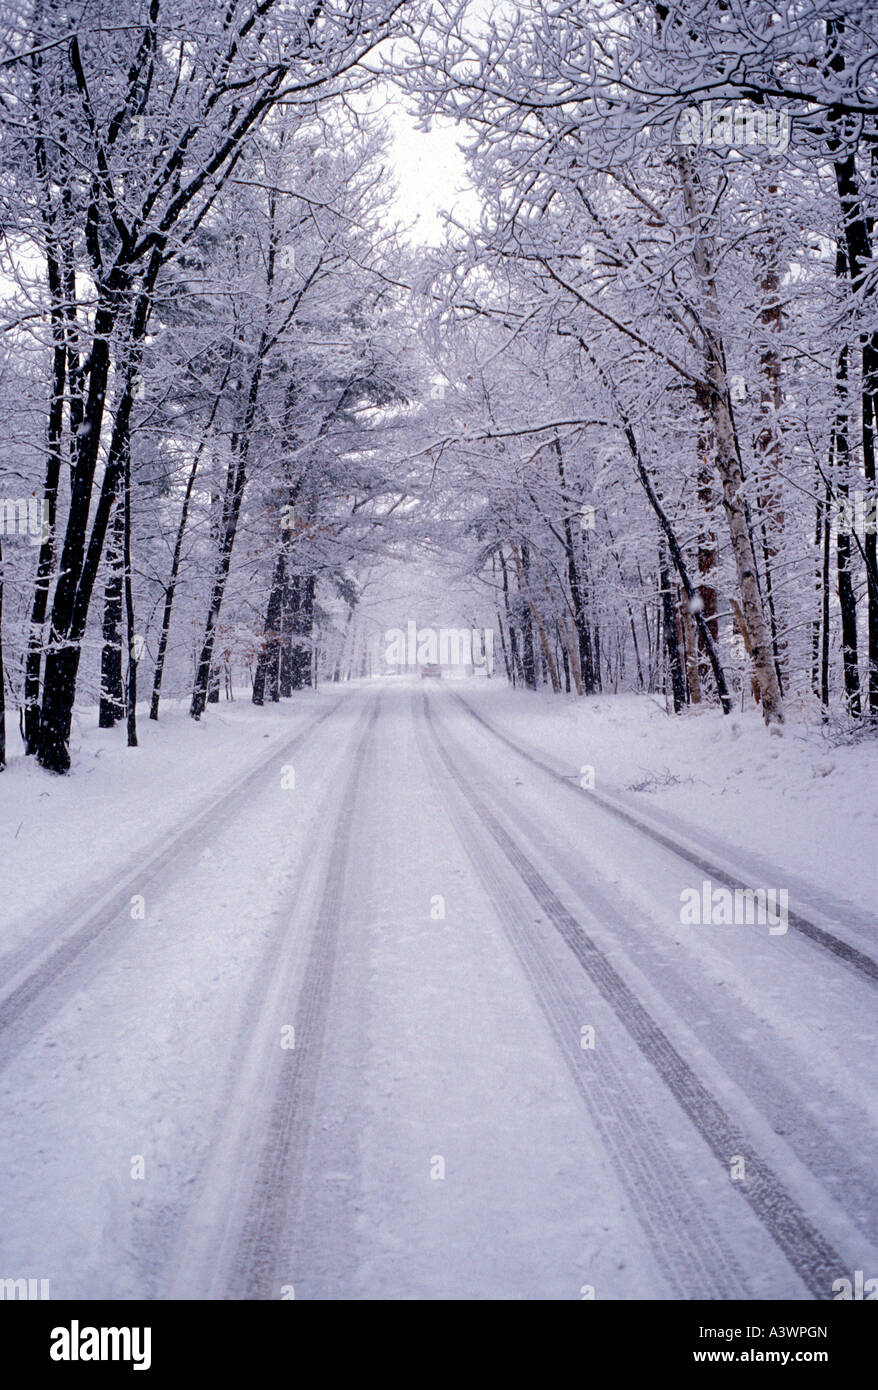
<point>630,403</point>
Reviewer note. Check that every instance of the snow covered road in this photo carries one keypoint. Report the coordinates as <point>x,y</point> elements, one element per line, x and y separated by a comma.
<point>407,1013</point>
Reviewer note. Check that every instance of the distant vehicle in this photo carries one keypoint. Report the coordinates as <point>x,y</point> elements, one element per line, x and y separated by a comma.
<point>431,670</point>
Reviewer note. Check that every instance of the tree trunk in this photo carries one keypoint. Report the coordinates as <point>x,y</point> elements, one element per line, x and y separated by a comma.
<point>824,645</point>
<point>522,565</point>
<point>514,654</point>
<point>528,654</point>
<point>858,250</point>
<point>676,552</point>
<point>2,675</point>
<point>131,690</point>
<point>112,700</point>
<point>266,677</point>
<point>302,630</point>
<point>816,624</point>
<point>769,446</point>
<point>707,561</point>
<point>46,560</point>
<point>577,588</point>
<point>171,588</point>
<point>236,480</point>
<point>81,553</point>
<point>729,467</point>
<point>66,372</point>
<point>693,679</point>
<point>846,596</point>
<point>675,664</point>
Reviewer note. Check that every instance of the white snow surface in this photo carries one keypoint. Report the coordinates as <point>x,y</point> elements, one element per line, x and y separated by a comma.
<point>391,888</point>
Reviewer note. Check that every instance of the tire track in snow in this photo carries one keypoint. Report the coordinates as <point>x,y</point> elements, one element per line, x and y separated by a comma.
<point>39,982</point>
<point>694,1258</point>
<point>695,1272</point>
<point>729,1036</point>
<point>239,1239</point>
<point>818,936</point>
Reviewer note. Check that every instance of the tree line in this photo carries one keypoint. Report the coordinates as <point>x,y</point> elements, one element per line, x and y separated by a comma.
<point>634,399</point>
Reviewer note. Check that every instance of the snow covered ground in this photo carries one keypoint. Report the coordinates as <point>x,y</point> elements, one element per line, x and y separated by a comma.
<point>368,996</point>
<point>804,802</point>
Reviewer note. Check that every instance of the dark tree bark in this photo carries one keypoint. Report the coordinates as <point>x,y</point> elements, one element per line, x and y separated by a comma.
<point>171,588</point>
<point>302,588</point>
<point>82,551</point>
<point>70,605</point>
<point>820,524</point>
<point>131,689</point>
<point>675,664</point>
<point>824,644</point>
<point>769,448</point>
<point>46,560</point>
<point>285,671</point>
<point>266,678</point>
<point>176,197</point>
<point>236,479</point>
<point>707,555</point>
<point>504,647</point>
<point>528,655</point>
<point>676,552</point>
<point>858,251</point>
<point>78,572</point>
<point>561,650</point>
<point>66,374</point>
<point>846,596</point>
<point>515,655</point>
<point>578,594</point>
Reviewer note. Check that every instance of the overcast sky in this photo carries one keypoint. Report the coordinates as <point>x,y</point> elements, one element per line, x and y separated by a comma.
<point>431,173</point>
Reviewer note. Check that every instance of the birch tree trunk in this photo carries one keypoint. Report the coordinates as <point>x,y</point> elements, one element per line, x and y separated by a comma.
<point>728,464</point>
